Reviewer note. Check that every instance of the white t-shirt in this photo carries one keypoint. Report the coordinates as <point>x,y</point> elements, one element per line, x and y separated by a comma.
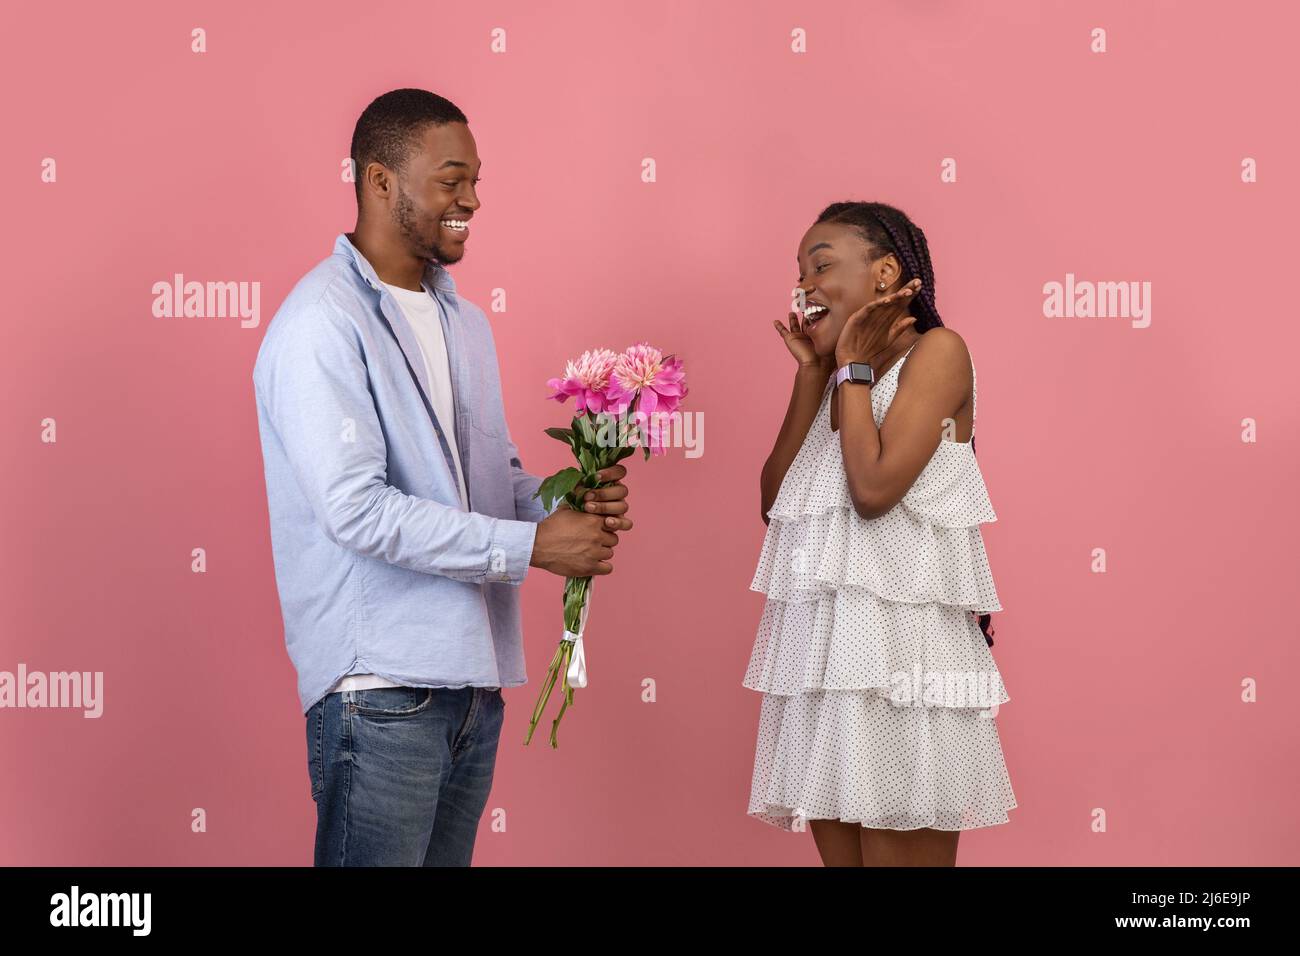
<point>421,310</point>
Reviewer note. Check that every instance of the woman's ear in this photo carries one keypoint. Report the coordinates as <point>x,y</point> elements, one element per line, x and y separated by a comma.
<point>890,272</point>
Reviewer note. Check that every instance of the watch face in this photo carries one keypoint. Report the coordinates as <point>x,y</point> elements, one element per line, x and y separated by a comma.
<point>855,372</point>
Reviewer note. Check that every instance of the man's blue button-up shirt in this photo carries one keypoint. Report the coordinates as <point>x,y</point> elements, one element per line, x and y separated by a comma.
<point>379,568</point>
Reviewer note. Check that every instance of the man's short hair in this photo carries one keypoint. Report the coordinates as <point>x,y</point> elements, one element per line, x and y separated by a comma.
<point>389,127</point>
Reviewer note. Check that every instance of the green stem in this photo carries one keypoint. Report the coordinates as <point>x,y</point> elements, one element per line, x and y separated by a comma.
<point>544,698</point>
<point>567,699</point>
<point>565,651</point>
<point>577,591</point>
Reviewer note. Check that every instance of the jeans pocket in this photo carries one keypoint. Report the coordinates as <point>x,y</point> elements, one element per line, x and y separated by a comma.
<point>501,709</point>
<point>392,702</point>
<point>315,741</point>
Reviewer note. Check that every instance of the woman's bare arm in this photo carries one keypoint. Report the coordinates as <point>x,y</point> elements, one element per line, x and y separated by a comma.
<point>805,400</point>
<point>882,464</point>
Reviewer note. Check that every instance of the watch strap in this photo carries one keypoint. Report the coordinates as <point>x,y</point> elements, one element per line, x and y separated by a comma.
<point>855,372</point>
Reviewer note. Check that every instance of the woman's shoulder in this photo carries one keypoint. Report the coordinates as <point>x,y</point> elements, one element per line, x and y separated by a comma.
<point>939,367</point>
<point>941,347</point>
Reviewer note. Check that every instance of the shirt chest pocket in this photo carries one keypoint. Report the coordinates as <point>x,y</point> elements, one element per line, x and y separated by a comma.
<point>490,476</point>
<point>486,413</point>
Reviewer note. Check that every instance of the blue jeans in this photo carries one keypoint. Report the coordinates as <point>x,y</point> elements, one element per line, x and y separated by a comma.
<point>401,775</point>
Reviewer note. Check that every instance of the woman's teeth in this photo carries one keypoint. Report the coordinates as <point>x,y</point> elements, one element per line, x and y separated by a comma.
<point>812,313</point>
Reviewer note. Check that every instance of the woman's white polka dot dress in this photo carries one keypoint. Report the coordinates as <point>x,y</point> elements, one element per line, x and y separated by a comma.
<point>876,678</point>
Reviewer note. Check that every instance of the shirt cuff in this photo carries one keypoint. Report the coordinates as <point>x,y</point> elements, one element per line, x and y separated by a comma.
<point>511,551</point>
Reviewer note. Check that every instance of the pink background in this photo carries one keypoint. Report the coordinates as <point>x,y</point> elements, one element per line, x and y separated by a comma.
<point>1125,686</point>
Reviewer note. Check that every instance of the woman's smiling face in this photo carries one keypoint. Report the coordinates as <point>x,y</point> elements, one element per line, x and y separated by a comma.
<point>835,274</point>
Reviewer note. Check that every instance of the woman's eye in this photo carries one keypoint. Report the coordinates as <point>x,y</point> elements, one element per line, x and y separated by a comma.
<point>821,267</point>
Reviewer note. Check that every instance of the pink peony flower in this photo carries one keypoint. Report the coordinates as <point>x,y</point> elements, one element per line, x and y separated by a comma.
<point>654,382</point>
<point>586,380</point>
<point>644,370</point>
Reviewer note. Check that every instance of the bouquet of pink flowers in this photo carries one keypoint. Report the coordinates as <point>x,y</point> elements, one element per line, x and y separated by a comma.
<point>608,389</point>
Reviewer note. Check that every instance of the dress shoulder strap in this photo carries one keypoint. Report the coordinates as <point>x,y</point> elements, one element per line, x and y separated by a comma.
<point>898,366</point>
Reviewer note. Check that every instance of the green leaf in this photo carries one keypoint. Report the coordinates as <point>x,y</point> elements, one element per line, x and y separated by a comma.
<point>582,425</point>
<point>562,434</point>
<point>558,485</point>
<point>544,491</point>
<point>602,436</point>
<point>606,456</point>
<point>566,480</point>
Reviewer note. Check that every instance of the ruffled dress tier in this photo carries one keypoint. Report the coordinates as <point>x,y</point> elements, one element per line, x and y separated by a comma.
<point>876,678</point>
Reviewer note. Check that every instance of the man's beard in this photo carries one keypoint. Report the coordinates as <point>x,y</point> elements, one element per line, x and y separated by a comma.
<point>407,219</point>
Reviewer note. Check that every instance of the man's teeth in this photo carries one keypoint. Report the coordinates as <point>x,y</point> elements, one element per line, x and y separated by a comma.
<point>455,224</point>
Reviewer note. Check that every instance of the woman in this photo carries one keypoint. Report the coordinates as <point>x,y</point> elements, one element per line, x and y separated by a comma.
<point>873,649</point>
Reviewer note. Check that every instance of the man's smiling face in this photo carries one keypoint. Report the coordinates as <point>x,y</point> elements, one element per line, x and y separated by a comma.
<point>436,193</point>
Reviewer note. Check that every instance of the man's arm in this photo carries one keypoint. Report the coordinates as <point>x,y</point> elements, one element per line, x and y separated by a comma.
<point>313,391</point>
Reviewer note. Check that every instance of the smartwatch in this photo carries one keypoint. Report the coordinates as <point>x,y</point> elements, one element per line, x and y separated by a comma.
<point>855,372</point>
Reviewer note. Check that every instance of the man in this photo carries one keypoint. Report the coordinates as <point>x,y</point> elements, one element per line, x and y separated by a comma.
<point>402,520</point>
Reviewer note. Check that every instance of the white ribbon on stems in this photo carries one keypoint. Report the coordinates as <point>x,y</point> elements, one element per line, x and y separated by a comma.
<point>576,676</point>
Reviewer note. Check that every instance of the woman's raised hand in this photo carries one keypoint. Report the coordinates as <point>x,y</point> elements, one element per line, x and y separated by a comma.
<point>875,326</point>
<point>797,341</point>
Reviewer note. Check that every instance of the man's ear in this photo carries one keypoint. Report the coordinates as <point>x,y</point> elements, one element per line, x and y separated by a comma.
<point>378,180</point>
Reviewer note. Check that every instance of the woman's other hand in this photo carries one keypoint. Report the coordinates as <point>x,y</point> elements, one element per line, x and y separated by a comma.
<point>799,343</point>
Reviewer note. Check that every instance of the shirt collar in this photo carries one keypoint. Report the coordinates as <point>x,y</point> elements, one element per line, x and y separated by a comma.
<point>436,275</point>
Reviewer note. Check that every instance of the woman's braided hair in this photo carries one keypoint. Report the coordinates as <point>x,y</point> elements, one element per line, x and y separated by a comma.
<point>886,229</point>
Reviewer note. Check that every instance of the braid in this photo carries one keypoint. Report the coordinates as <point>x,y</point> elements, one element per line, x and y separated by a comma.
<point>910,246</point>
<point>887,229</point>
